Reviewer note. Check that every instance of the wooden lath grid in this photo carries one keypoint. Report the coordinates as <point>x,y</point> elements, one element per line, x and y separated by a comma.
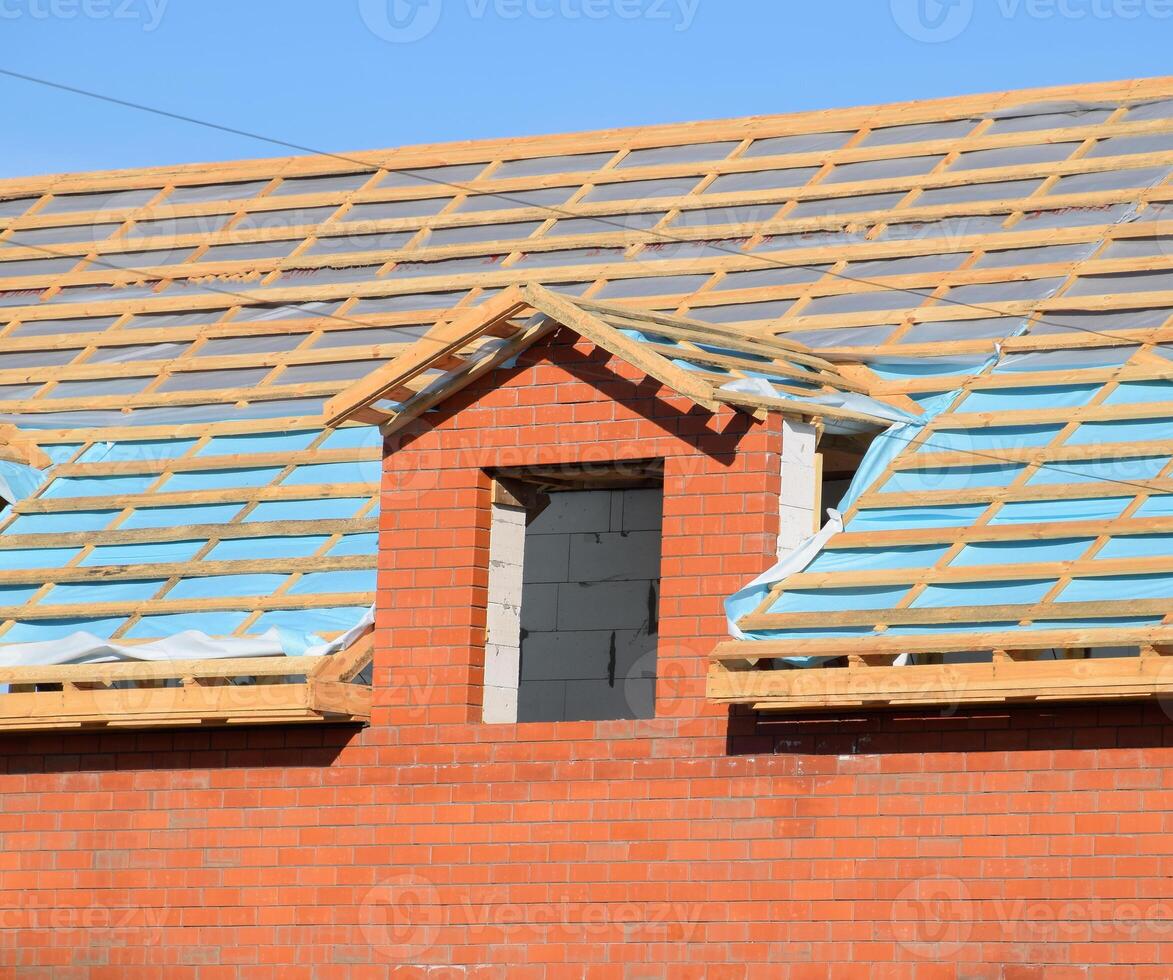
<point>122,507</point>
<point>1040,647</point>
<point>668,262</point>
<point>1132,494</point>
<point>242,276</point>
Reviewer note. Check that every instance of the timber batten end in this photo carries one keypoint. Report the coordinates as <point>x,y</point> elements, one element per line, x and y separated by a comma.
<point>1008,677</point>
<point>208,693</point>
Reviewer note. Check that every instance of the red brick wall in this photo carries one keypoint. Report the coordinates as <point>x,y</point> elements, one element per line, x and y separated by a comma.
<point>1021,844</point>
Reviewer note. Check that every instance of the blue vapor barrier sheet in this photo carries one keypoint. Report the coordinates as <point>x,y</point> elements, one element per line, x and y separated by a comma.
<point>882,451</point>
<point>1105,488</point>
<point>292,632</point>
<point>18,481</point>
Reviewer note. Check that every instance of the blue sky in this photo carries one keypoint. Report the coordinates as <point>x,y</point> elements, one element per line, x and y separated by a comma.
<point>342,75</point>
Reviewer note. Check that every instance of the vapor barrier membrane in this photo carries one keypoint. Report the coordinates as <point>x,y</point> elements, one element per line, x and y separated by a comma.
<point>321,185</point>
<point>1106,472</point>
<point>801,143</point>
<point>471,234</point>
<point>425,176</point>
<point>187,635</point>
<point>248,250</point>
<point>882,169</point>
<point>201,193</point>
<point>919,132</point>
<point>687,153</point>
<point>1108,180</point>
<point>1012,156</point>
<point>99,201</point>
<point>60,234</point>
<point>542,166</point>
<point>761,180</point>
<point>335,371</point>
<point>1062,114</point>
<point>18,481</point>
<point>37,267</point>
<point>62,642</point>
<point>180,415</point>
<point>203,224</point>
<point>16,206</point>
<point>605,224</point>
<point>651,286</point>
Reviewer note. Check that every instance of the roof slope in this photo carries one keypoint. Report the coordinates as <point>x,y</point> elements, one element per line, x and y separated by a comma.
<point>1038,496</point>
<point>171,335</point>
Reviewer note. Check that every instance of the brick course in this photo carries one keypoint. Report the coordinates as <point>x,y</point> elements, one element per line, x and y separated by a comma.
<point>1017,844</point>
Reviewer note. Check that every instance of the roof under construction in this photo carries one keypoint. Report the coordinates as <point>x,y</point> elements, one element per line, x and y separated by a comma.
<point>988,279</point>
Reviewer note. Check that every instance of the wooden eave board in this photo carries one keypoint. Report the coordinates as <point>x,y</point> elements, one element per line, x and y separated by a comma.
<point>1002,681</point>
<point>269,690</point>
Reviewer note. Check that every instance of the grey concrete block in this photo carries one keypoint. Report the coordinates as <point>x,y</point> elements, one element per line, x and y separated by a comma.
<point>798,442</point>
<point>547,558</point>
<point>501,665</point>
<point>561,656</point>
<point>620,605</point>
<point>504,624</point>
<point>586,654</point>
<point>639,694</point>
<point>574,510</point>
<point>539,607</point>
<point>614,556</point>
<point>541,701</point>
<point>578,655</point>
<point>500,705</point>
<point>635,655</point>
<point>643,510</point>
<point>597,701</point>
